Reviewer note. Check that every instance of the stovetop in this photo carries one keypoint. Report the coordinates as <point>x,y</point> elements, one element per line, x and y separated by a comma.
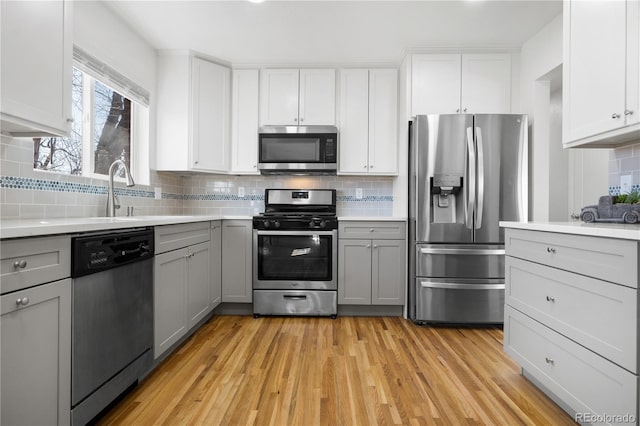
<point>281,222</point>
<point>298,209</point>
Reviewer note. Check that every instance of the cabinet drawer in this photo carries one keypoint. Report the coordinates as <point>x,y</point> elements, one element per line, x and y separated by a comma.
<point>604,258</point>
<point>172,237</point>
<point>31,261</point>
<point>372,230</point>
<point>597,314</point>
<point>584,381</point>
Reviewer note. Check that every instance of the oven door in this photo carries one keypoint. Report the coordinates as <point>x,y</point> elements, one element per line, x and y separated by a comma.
<point>295,260</point>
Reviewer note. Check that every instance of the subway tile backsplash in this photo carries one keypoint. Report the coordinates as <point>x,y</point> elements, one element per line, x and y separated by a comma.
<point>624,161</point>
<point>27,193</point>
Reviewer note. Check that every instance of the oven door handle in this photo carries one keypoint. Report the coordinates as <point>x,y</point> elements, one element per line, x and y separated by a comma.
<point>294,296</point>
<point>296,233</point>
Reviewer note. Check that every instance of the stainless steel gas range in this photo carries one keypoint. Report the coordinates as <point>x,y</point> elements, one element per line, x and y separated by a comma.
<point>295,245</point>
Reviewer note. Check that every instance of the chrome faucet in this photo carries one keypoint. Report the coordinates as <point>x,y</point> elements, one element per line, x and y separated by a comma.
<point>112,203</point>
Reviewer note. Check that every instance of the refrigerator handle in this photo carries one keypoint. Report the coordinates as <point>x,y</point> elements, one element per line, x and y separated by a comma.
<point>471,180</point>
<point>480,207</point>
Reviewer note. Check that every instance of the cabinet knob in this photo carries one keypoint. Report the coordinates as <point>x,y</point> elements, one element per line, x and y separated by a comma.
<point>551,250</point>
<point>628,112</point>
<point>464,110</point>
<point>368,246</point>
<point>375,246</point>
<point>364,167</point>
<point>195,162</point>
<point>22,302</point>
<point>70,120</point>
<point>371,166</point>
<point>370,229</point>
<point>551,299</point>
<point>615,115</point>
<point>255,166</point>
<point>457,109</point>
<point>302,119</point>
<point>295,119</point>
<point>20,265</point>
<point>549,360</point>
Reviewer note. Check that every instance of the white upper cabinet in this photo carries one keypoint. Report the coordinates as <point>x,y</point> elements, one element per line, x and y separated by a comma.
<point>290,97</point>
<point>36,62</point>
<point>435,84</point>
<point>486,84</point>
<point>193,114</point>
<point>601,73</point>
<point>368,121</point>
<point>244,122</point>
<point>460,83</point>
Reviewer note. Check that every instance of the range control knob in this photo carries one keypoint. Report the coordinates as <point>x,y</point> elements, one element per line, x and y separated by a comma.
<point>323,224</point>
<point>276,224</point>
<point>266,223</point>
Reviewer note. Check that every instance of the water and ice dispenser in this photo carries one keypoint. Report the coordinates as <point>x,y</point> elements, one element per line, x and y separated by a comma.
<point>445,190</point>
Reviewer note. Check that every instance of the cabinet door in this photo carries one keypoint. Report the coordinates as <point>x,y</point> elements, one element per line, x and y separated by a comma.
<point>215,292</point>
<point>198,282</point>
<point>383,121</point>
<point>317,97</point>
<point>632,111</point>
<point>244,122</point>
<point>354,272</point>
<point>36,355</point>
<point>486,84</point>
<point>435,84</point>
<point>36,51</point>
<point>210,106</point>
<point>237,285</point>
<point>169,299</point>
<point>388,274</point>
<point>279,97</point>
<point>354,121</point>
<point>594,68</point>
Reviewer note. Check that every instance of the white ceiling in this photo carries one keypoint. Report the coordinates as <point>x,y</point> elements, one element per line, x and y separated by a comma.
<point>332,32</point>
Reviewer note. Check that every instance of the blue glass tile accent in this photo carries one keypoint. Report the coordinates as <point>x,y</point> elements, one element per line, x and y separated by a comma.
<point>15,182</point>
<point>615,189</point>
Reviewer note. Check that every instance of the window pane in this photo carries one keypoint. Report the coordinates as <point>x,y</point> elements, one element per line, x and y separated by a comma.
<point>112,129</point>
<point>63,155</point>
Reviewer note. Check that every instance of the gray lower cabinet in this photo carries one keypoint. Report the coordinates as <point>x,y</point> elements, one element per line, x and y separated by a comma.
<point>237,240</point>
<point>571,320</point>
<point>36,355</point>
<point>215,291</point>
<point>371,271</point>
<point>181,282</point>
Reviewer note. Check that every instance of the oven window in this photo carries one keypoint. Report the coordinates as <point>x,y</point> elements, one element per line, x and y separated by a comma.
<point>294,257</point>
<point>289,150</point>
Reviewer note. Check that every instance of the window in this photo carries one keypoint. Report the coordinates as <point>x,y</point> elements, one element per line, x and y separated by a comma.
<point>109,118</point>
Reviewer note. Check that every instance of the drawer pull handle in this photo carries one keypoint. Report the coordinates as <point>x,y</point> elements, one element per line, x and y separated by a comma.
<point>20,265</point>
<point>549,360</point>
<point>551,250</point>
<point>551,299</point>
<point>22,302</point>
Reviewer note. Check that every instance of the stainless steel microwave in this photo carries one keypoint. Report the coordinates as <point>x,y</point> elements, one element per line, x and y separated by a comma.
<point>309,150</point>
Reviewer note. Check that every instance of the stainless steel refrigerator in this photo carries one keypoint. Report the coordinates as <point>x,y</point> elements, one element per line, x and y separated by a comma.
<point>466,173</point>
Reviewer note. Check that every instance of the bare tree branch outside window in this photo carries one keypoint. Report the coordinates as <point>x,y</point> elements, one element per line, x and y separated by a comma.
<point>112,129</point>
<point>63,155</point>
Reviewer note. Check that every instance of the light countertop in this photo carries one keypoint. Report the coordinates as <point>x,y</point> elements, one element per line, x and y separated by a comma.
<point>608,230</point>
<point>16,228</point>
<point>372,218</point>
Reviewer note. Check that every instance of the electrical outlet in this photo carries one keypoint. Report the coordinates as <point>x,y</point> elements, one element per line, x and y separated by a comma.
<point>241,191</point>
<point>157,193</point>
<point>625,184</point>
<point>358,193</point>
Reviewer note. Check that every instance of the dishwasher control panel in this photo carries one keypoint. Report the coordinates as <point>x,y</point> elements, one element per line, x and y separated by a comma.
<point>97,252</point>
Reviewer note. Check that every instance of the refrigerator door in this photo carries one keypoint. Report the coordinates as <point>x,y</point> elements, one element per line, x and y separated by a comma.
<point>459,301</point>
<point>442,164</point>
<point>502,170</point>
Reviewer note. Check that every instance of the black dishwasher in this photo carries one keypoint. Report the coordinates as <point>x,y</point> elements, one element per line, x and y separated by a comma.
<point>112,317</point>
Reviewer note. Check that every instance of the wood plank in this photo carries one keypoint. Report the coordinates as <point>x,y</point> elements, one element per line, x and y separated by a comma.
<point>347,371</point>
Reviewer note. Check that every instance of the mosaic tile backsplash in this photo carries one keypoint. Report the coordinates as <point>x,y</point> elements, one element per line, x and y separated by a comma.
<point>624,161</point>
<point>26,193</point>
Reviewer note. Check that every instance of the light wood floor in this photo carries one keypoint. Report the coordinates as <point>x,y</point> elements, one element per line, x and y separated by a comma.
<point>238,370</point>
